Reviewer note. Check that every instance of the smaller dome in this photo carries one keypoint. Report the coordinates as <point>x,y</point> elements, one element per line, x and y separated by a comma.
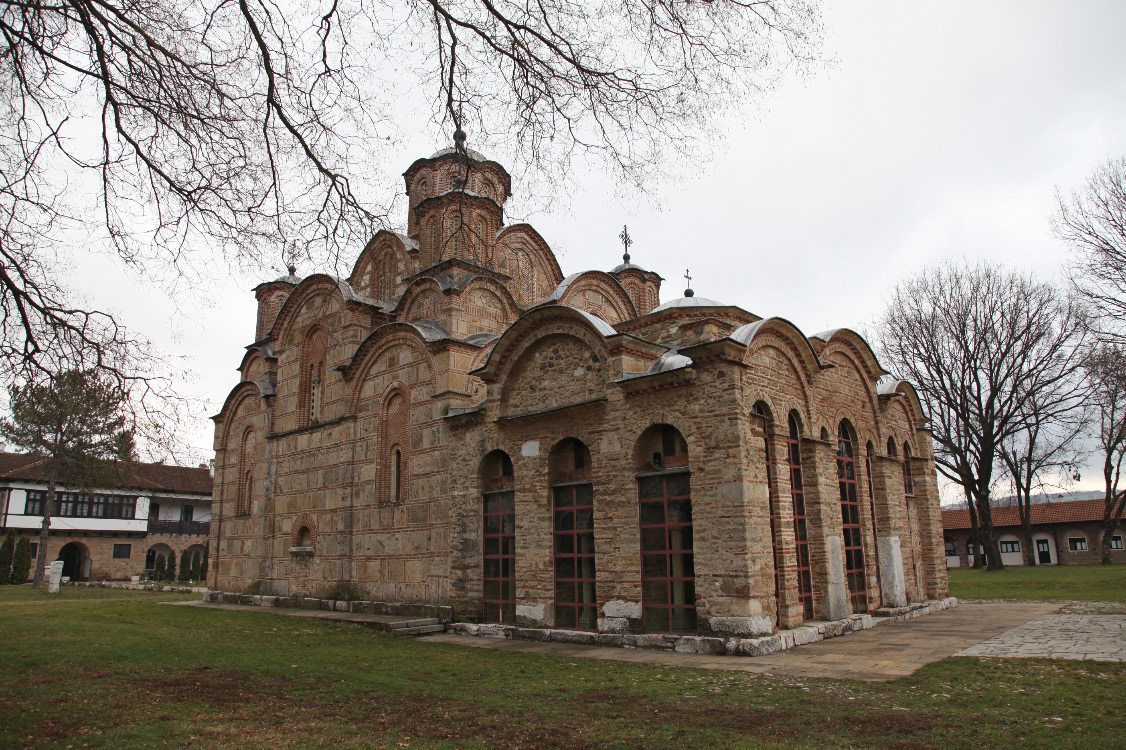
<point>627,267</point>
<point>474,155</point>
<point>689,302</point>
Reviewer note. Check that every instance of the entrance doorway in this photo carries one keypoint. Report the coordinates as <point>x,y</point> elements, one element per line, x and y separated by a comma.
<point>76,561</point>
<point>1043,555</point>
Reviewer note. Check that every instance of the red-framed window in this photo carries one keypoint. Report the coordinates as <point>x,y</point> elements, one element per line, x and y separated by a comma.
<point>771,499</point>
<point>576,605</point>
<point>668,578</point>
<point>499,517</point>
<point>797,494</point>
<point>850,521</point>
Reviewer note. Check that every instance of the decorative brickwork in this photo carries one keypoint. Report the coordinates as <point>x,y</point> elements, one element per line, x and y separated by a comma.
<point>546,452</point>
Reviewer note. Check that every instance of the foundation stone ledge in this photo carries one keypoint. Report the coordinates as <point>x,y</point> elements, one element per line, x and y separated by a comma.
<point>444,613</point>
<point>699,645</point>
<point>743,626</point>
<point>755,646</point>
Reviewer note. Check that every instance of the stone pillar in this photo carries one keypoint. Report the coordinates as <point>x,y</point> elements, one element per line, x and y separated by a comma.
<point>892,584</point>
<point>55,577</point>
<point>892,524</point>
<point>823,520</point>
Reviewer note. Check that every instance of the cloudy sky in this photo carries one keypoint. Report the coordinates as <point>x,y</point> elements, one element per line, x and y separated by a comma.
<point>940,130</point>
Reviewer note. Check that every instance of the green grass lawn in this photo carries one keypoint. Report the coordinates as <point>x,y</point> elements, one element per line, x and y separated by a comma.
<point>114,669</point>
<point>1093,583</point>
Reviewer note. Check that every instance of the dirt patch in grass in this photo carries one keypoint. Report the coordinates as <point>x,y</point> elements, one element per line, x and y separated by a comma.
<point>219,688</point>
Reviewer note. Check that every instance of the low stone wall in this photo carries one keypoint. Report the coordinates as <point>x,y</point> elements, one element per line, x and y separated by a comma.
<point>444,614</point>
<point>692,644</point>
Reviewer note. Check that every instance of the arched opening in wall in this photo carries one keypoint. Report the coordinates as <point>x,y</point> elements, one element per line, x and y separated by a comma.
<point>245,477</point>
<point>908,476</point>
<point>311,397</point>
<point>797,495</point>
<point>891,447</point>
<point>394,456</point>
<point>668,577</point>
<point>195,561</point>
<point>855,574</point>
<point>498,502</point>
<point>157,550</point>
<point>763,412</point>
<point>869,449</point>
<point>572,499</point>
<point>303,538</point>
<point>396,472</point>
<point>76,561</point>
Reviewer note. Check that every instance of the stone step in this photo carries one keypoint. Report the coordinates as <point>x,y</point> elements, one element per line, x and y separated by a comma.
<point>420,630</point>
<point>414,622</point>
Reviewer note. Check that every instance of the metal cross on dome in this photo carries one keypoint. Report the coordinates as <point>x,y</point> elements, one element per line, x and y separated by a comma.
<point>688,278</point>
<point>626,242</point>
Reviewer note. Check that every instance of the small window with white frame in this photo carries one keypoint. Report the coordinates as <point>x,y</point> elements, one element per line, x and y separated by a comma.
<point>1013,546</point>
<point>1116,542</point>
<point>1077,544</point>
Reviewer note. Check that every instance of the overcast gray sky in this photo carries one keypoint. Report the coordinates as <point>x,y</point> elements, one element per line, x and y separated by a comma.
<point>942,129</point>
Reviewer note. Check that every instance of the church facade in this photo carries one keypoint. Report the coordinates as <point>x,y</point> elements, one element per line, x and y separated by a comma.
<point>457,424</point>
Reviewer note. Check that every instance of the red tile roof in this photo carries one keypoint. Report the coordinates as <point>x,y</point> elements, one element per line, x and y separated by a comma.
<point>159,477</point>
<point>1042,513</point>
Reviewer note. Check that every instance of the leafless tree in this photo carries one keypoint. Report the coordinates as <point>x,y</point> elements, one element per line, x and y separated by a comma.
<point>1048,446</point>
<point>159,127</point>
<point>1092,221</point>
<point>981,344</point>
<point>1106,369</point>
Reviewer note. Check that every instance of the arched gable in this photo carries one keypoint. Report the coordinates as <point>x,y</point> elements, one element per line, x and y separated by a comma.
<point>908,401</point>
<point>596,292</point>
<point>797,345</point>
<point>532,284</point>
<point>379,341</point>
<point>309,288</point>
<point>845,360</point>
<point>861,351</point>
<point>231,405</point>
<point>557,317</point>
<point>502,292</point>
<point>385,258</point>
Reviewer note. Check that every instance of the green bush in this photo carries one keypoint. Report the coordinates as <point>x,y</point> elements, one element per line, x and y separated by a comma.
<point>203,565</point>
<point>158,568</point>
<point>197,566</point>
<point>21,562</point>
<point>185,566</point>
<point>7,550</point>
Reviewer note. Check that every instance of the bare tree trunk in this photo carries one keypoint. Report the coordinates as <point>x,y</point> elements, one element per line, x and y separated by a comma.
<point>41,554</point>
<point>988,535</point>
<point>1024,509</point>
<point>1111,519</point>
<point>975,534</point>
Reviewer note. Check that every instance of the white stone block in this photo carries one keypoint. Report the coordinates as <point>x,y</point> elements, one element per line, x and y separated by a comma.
<point>743,626</point>
<point>620,608</point>
<point>892,582</point>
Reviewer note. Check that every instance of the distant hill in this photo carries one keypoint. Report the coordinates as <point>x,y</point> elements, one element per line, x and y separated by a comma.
<point>1048,497</point>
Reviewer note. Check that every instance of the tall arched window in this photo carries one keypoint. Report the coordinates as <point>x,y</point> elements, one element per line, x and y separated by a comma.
<point>908,477</point>
<point>572,497</point>
<point>245,476</point>
<point>668,577</point>
<point>498,539</point>
<point>850,520</point>
<point>771,499</point>
<point>311,396</point>
<point>393,478</point>
<point>396,472</point>
<point>797,493</point>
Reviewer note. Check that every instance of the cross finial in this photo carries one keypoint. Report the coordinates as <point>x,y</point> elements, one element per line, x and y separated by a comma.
<point>688,277</point>
<point>626,242</point>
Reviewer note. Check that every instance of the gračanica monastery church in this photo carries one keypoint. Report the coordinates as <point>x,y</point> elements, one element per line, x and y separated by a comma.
<point>459,427</point>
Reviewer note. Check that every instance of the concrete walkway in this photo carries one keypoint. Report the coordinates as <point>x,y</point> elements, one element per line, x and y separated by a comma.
<point>883,653</point>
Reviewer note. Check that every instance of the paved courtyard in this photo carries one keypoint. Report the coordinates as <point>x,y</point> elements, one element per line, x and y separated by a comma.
<point>883,653</point>
<point>1059,636</point>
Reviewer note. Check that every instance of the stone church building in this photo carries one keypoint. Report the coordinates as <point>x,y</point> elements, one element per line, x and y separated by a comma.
<point>457,424</point>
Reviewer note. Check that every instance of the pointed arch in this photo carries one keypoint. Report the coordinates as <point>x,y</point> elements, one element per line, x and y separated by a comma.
<point>378,342</point>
